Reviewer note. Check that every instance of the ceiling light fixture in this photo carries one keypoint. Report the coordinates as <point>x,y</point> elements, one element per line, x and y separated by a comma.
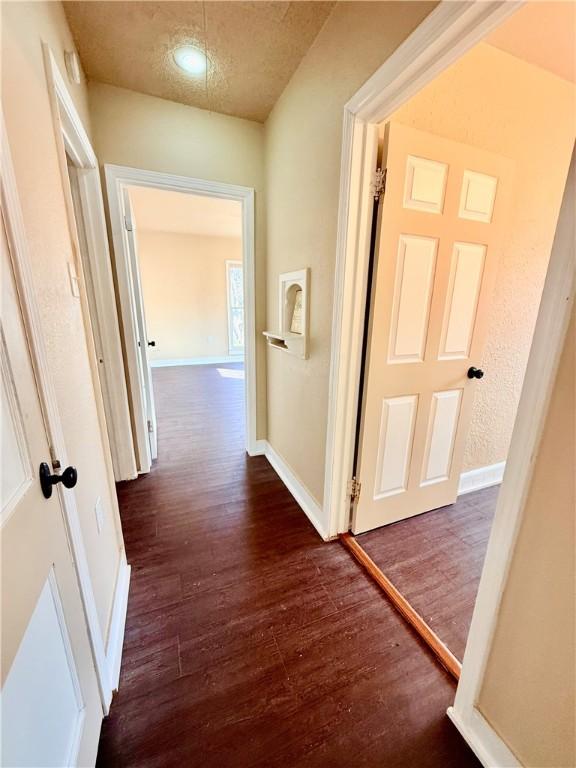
<point>191,60</point>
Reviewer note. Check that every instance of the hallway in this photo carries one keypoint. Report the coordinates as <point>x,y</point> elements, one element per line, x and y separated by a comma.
<point>249,642</point>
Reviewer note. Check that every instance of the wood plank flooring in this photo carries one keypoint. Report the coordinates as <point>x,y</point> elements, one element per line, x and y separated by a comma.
<point>435,560</point>
<point>249,641</point>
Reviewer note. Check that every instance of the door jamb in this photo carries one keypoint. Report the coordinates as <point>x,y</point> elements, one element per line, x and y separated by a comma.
<point>442,38</point>
<point>119,177</point>
<point>103,324</point>
<point>103,345</point>
<point>12,214</point>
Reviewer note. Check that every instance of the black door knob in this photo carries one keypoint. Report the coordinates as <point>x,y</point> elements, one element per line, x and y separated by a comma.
<point>475,373</point>
<point>151,343</point>
<point>68,478</point>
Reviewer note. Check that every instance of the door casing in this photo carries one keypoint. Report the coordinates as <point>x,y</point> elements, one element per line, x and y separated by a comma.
<point>99,310</point>
<point>23,276</point>
<point>441,39</point>
<point>99,316</point>
<point>118,180</point>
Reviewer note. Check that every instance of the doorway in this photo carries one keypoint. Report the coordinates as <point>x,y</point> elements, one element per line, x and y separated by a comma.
<point>184,257</point>
<point>379,99</point>
<point>465,228</point>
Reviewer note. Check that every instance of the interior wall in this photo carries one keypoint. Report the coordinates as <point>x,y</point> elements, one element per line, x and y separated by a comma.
<point>185,292</point>
<point>147,132</point>
<point>497,102</point>
<point>303,153</point>
<point>534,645</point>
<point>28,116</point>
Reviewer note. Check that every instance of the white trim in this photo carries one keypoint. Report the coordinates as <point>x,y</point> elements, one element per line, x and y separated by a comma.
<point>119,178</point>
<point>484,741</point>
<point>16,233</point>
<point>196,361</point>
<point>549,335</point>
<point>259,448</point>
<point>442,38</point>
<point>481,477</point>
<point>100,313</point>
<point>301,494</point>
<point>118,622</point>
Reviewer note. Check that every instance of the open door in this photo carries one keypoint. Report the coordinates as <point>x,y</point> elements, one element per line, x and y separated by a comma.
<point>51,707</point>
<point>440,236</point>
<point>145,411</point>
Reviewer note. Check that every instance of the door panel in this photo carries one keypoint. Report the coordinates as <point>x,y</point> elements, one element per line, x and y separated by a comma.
<point>464,283</point>
<point>412,296</point>
<point>144,368</point>
<point>442,424</point>
<point>395,444</point>
<point>45,665</point>
<point>51,708</point>
<point>441,227</point>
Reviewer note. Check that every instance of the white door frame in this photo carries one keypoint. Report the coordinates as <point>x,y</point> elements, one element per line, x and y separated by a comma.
<point>99,284</point>
<point>442,38</point>
<point>120,177</point>
<point>105,357</point>
<point>12,214</point>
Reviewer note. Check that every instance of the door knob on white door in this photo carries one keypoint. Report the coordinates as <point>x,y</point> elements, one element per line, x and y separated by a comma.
<point>475,373</point>
<point>68,478</point>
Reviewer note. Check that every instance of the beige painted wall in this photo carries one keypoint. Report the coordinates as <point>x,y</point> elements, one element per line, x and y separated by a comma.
<point>497,102</point>
<point>33,146</point>
<point>303,150</point>
<point>184,286</point>
<point>146,132</point>
<point>529,690</point>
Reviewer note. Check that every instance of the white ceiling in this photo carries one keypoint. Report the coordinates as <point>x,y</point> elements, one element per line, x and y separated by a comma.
<point>158,210</point>
<point>543,34</point>
<point>254,48</point>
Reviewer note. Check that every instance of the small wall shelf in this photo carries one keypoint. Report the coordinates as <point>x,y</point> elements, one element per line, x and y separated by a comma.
<point>293,314</point>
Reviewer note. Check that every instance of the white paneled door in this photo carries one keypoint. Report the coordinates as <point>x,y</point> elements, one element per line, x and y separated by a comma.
<point>147,432</point>
<point>440,236</point>
<point>51,707</point>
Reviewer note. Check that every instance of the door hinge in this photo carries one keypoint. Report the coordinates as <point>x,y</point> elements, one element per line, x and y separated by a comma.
<point>127,223</point>
<point>379,183</point>
<point>150,426</point>
<point>354,487</point>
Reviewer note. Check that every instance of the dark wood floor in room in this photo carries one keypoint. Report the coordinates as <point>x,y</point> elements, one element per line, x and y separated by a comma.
<point>249,642</point>
<point>435,560</point>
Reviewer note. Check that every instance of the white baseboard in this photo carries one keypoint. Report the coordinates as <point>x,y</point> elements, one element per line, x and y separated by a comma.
<point>484,741</point>
<point>258,449</point>
<point>298,490</point>
<point>118,623</point>
<point>197,361</point>
<point>482,477</point>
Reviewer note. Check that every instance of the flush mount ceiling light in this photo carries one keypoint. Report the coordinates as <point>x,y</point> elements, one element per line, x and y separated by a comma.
<point>191,60</point>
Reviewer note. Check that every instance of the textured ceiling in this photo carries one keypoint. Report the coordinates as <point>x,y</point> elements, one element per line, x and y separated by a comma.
<point>543,34</point>
<point>160,210</point>
<point>253,48</point>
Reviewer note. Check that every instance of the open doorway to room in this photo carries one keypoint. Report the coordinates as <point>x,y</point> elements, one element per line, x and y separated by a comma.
<point>188,296</point>
<point>187,304</point>
<point>184,262</point>
<point>476,166</point>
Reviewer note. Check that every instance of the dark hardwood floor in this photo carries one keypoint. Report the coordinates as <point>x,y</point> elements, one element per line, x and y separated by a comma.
<point>250,642</point>
<point>435,560</point>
